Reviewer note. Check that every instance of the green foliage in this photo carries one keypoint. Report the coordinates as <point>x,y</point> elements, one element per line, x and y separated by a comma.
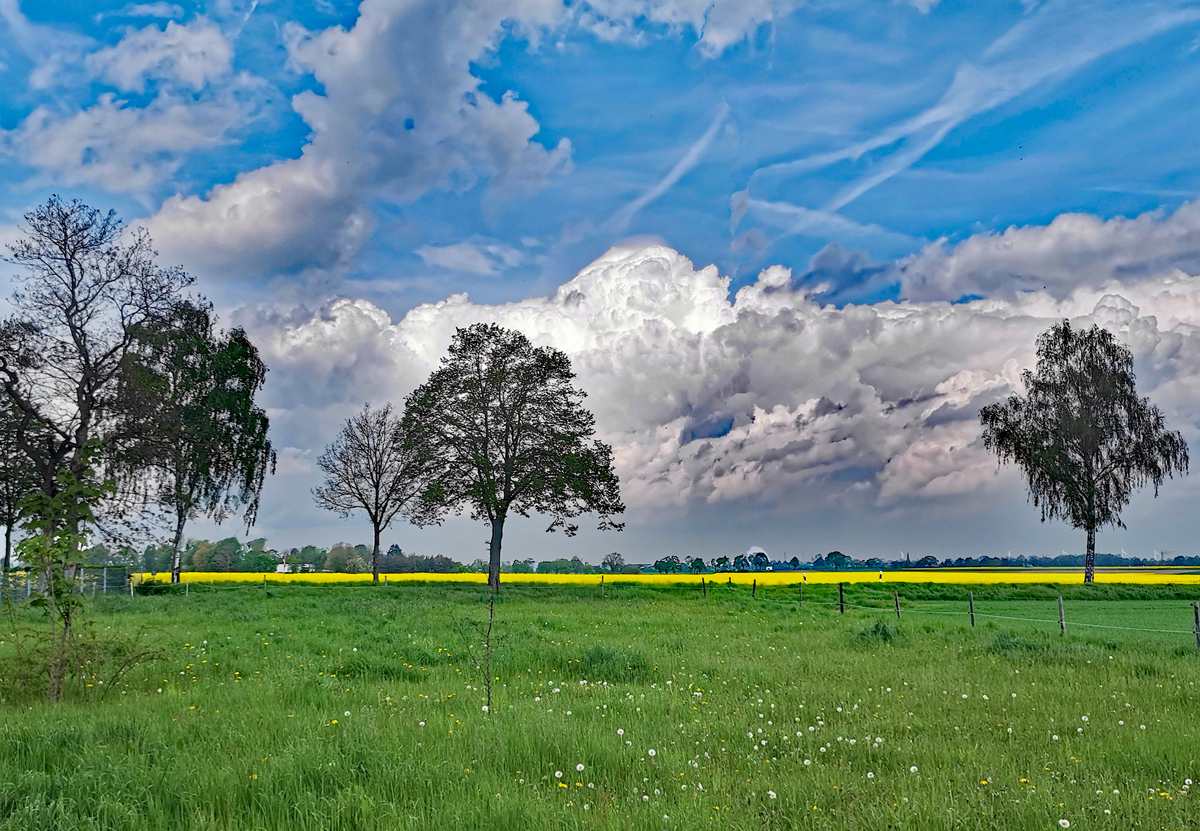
<point>565,566</point>
<point>1082,437</point>
<point>501,429</point>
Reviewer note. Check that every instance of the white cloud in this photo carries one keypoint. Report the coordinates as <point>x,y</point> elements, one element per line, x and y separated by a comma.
<point>474,258</point>
<point>1073,250</point>
<point>399,114</point>
<point>192,55</point>
<point>161,10</point>
<point>718,24</point>
<point>764,398</point>
<point>293,460</point>
<point>118,147</point>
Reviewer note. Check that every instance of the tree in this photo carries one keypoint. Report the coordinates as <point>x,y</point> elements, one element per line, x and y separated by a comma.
<point>504,431</point>
<point>721,564</point>
<point>87,288</point>
<point>613,562</point>
<point>370,467</point>
<point>741,563</point>
<point>668,565</point>
<point>187,401</point>
<point>760,561</point>
<point>836,560</point>
<point>1081,435</point>
<point>17,475</point>
<point>696,565</point>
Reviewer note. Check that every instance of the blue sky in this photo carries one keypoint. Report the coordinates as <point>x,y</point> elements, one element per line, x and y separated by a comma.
<point>401,153</point>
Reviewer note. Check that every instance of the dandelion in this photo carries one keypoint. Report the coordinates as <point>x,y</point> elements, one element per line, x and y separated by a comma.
<point>912,769</point>
<point>420,724</point>
<point>620,731</point>
<point>650,752</point>
<point>485,708</point>
<point>1065,823</point>
<point>870,775</point>
<point>347,712</point>
<point>579,767</point>
<point>558,774</point>
<point>808,761</point>
<point>771,794</point>
<point>1055,738</point>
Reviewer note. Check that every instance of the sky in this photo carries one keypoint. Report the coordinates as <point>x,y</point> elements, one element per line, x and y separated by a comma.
<point>790,248</point>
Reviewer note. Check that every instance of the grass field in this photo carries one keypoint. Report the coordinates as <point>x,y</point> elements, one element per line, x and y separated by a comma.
<point>352,707</point>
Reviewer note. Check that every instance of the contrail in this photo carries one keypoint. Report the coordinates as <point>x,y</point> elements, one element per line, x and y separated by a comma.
<point>619,221</point>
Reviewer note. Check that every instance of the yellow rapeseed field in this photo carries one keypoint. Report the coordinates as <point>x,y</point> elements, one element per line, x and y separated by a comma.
<point>1144,576</point>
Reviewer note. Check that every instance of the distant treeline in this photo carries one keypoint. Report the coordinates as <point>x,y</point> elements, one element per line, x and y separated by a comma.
<point>230,554</point>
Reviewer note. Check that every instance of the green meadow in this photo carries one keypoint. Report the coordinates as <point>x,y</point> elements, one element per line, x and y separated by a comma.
<point>296,708</point>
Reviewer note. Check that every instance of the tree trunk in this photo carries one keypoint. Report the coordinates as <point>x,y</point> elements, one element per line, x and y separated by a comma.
<point>8,545</point>
<point>375,554</point>
<point>494,551</point>
<point>1089,559</point>
<point>180,519</point>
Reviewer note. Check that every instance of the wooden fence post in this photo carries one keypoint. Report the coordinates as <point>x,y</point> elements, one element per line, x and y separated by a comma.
<point>703,587</point>
<point>1196,625</point>
<point>601,586</point>
<point>971,606</point>
<point>841,600</point>
<point>896,597</point>
<point>1062,618</point>
<point>754,588</point>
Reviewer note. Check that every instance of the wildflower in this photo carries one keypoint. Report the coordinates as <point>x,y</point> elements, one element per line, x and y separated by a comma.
<point>1065,823</point>
<point>579,767</point>
<point>620,731</point>
<point>650,752</point>
<point>347,712</point>
<point>420,724</point>
<point>808,761</point>
<point>912,769</point>
<point>870,775</point>
<point>771,794</point>
<point>485,708</point>
<point>558,774</point>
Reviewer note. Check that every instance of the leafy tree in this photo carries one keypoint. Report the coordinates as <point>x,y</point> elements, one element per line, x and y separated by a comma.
<point>1081,435</point>
<point>370,467</point>
<point>741,563</point>
<point>794,562</point>
<point>526,566</point>
<point>928,561</point>
<point>668,565</point>
<point>613,562</point>
<point>88,287</point>
<point>721,564</point>
<point>837,560</point>
<point>187,395</point>
<point>760,561</point>
<point>504,431</point>
<point>696,565</point>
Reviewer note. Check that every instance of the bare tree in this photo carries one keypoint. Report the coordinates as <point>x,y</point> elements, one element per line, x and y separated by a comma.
<point>503,430</point>
<point>87,287</point>
<point>1080,434</point>
<point>370,468</point>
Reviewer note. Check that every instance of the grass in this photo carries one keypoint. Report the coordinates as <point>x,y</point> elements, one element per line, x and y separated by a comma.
<point>357,708</point>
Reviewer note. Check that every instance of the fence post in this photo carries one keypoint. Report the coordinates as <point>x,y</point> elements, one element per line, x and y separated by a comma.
<point>841,600</point>
<point>754,588</point>
<point>896,597</point>
<point>602,586</point>
<point>703,588</point>
<point>971,605</point>
<point>1196,625</point>
<point>801,587</point>
<point>1062,618</point>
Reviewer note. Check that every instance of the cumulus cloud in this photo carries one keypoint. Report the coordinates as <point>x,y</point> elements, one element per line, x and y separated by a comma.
<point>765,397</point>
<point>1073,249</point>
<point>190,55</point>
<point>717,24</point>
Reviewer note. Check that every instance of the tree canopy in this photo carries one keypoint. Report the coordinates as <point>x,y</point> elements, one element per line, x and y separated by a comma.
<point>1081,435</point>
<point>503,430</point>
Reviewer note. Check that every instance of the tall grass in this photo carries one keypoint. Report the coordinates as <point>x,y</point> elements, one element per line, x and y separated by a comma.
<point>357,708</point>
